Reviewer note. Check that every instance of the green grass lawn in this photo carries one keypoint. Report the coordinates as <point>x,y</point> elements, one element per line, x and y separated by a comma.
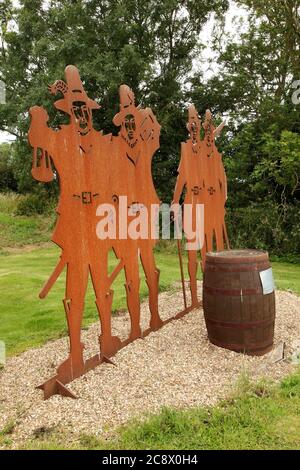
<point>258,416</point>
<point>27,321</point>
<point>287,276</point>
<point>16,230</point>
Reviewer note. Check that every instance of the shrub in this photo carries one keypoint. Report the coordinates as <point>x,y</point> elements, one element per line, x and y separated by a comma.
<point>9,202</point>
<point>266,226</point>
<point>35,203</point>
<point>7,178</point>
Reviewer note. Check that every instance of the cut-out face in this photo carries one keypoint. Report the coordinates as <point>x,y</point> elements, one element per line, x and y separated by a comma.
<point>130,127</point>
<point>193,127</point>
<point>194,132</point>
<point>209,136</point>
<point>81,117</point>
<point>209,129</point>
<point>209,133</point>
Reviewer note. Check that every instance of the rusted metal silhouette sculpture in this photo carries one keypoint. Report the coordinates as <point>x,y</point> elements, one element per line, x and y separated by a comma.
<point>80,156</point>
<point>96,169</point>
<point>201,175</point>
<point>135,146</point>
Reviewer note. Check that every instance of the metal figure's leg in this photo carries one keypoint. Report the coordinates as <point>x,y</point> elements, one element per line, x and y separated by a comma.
<point>192,268</point>
<point>152,274</point>
<point>205,249</point>
<point>132,287</point>
<point>219,238</point>
<point>109,344</point>
<point>225,236</point>
<point>74,305</point>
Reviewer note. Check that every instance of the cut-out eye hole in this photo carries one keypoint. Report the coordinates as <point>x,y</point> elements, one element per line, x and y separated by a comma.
<point>194,127</point>
<point>129,118</point>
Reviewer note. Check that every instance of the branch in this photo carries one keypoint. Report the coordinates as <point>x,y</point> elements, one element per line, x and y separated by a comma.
<point>10,131</point>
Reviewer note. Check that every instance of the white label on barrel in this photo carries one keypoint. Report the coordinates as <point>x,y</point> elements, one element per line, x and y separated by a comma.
<point>267,281</point>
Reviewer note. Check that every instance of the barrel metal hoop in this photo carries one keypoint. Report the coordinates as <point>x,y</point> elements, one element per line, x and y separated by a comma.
<point>257,267</point>
<point>229,259</point>
<point>240,326</point>
<point>232,292</point>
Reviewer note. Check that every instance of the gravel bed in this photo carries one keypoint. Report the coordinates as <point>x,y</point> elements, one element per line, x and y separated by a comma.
<point>176,366</point>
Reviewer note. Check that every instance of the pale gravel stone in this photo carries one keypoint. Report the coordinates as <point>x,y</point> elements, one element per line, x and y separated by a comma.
<point>176,366</point>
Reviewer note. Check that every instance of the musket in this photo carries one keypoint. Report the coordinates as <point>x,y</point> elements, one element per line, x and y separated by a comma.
<point>59,269</point>
<point>53,278</point>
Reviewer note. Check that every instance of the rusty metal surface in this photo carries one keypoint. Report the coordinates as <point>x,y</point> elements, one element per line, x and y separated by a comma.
<point>201,176</point>
<point>94,169</point>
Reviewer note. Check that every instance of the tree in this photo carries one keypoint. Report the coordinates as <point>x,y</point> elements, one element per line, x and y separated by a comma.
<point>148,45</point>
<point>254,87</point>
<point>257,73</point>
<point>7,179</point>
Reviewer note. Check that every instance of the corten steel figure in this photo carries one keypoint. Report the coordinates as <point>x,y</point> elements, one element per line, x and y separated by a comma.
<point>135,146</point>
<point>81,158</point>
<point>215,194</point>
<point>96,169</point>
<point>201,174</point>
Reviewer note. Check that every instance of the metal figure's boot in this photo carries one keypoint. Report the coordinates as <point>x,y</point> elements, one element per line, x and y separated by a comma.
<point>153,288</point>
<point>109,345</point>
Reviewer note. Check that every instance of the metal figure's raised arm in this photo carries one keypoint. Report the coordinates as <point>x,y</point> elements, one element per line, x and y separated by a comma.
<point>219,129</point>
<point>222,174</point>
<point>40,137</point>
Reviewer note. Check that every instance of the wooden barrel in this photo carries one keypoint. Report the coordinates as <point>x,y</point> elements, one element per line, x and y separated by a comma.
<point>239,301</point>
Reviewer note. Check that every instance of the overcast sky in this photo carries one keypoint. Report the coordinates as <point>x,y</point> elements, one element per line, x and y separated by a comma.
<point>209,70</point>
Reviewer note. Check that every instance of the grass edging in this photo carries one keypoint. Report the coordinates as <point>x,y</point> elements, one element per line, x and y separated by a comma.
<point>257,415</point>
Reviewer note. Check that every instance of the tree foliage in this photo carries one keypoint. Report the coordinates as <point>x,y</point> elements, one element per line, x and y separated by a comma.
<point>155,48</point>
<point>254,86</point>
<point>148,45</point>
<point>7,178</point>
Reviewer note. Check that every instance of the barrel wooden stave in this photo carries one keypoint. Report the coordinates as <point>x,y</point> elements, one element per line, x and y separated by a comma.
<point>238,316</point>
